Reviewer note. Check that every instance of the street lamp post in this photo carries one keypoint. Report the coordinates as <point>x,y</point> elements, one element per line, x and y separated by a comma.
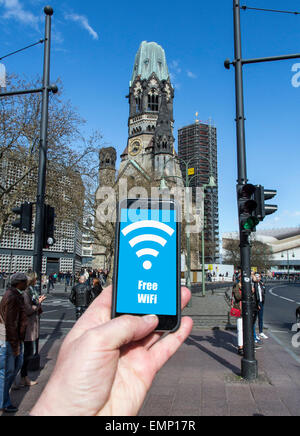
<point>211,184</point>
<point>188,181</point>
<point>40,199</point>
<point>45,90</point>
<point>163,185</point>
<point>288,262</point>
<point>249,363</point>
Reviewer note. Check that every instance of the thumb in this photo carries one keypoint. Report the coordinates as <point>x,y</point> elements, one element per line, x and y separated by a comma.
<point>125,329</point>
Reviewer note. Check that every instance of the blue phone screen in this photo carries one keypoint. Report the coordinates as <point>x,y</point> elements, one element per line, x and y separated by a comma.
<point>147,271</point>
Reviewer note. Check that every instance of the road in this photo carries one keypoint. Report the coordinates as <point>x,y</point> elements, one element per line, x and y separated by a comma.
<point>280,307</point>
<point>57,319</point>
<point>281,302</point>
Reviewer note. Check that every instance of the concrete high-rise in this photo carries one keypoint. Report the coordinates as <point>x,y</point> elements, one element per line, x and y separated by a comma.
<point>197,143</point>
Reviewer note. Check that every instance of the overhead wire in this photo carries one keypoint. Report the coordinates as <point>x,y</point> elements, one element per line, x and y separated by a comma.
<point>270,10</point>
<point>41,41</point>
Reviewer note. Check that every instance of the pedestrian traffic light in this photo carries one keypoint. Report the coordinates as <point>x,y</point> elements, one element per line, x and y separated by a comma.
<point>49,218</point>
<point>24,222</point>
<point>263,209</point>
<point>247,208</point>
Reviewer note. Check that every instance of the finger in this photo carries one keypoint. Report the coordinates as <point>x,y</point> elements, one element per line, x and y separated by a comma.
<point>152,339</point>
<point>161,352</point>
<point>186,295</point>
<point>97,314</point>
<point>126,329</point>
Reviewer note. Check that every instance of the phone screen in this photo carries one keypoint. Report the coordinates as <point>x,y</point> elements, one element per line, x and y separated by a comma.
<point>147,265</point>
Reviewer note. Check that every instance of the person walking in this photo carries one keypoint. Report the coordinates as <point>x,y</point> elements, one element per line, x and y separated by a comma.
<point>2,361</point>
<point>68,278</point>
<point>51,281</point>
<point>96,289</point>
<point>33,308</point>
<point>237,304</point>
<point>81,296</point>
<point>12,312</point>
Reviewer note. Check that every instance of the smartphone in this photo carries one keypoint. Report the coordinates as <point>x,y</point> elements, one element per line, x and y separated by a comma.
<point>147,264</point>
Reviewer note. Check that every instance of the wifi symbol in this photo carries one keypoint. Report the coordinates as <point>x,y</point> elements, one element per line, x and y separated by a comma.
<point>147,265</point>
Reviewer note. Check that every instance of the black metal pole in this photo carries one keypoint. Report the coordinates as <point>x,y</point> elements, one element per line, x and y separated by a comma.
<point>249,364</point>
<point>40,201</point>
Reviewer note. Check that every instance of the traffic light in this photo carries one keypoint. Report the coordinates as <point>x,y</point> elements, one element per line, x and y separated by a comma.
<point>263,209</point>
<point>24,222</point>
<point>49,218</point>
<point>247,208</point>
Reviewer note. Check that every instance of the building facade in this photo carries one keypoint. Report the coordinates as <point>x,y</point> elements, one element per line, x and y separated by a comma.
<point>197,151</point>
<point>16,248</point>
<point>285,246</point>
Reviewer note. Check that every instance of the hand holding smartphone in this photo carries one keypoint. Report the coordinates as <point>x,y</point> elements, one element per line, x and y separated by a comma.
<point>147,261</point>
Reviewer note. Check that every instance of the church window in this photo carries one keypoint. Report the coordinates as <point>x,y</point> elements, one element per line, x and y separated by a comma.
<point>152,102</point>
<point>138,104</point>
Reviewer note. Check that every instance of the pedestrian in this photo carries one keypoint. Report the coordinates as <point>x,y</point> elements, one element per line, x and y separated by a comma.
<point>255,308</point>
<point>106,367</point>
<point>260,290</point>
<point>96,289</point>
<point>51,281</point>
<point>68,278</point>
<point>81,296</point>
<point>86,275</point>
<point>44,281</point>
<point>12,312</point>
<point>2,361</point>
<point>237,304</point>
<point>33,308</point>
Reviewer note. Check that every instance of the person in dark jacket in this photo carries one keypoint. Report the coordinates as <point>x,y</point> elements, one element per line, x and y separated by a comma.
<point>256,307</point>
<point>96,289</point>
<point>13,314</point>
<point>33,307</point>
<point>81,296</point>
<point>260,294</point>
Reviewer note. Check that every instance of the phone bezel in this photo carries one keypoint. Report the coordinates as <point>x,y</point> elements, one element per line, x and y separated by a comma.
<point>167,323</point>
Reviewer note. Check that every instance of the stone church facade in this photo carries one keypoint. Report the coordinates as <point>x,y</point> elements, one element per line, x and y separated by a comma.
<point>149,155</point>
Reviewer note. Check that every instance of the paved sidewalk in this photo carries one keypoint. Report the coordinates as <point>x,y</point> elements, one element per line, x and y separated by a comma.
<point>202,379</point>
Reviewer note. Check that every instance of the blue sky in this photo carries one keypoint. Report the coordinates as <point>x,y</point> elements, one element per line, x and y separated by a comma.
<point>93,50</point>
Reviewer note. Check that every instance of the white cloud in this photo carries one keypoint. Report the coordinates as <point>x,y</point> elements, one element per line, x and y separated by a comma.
<point>83,21</point>
<point>191,75</point>
<point>175,66</point>
<point>13,9</point>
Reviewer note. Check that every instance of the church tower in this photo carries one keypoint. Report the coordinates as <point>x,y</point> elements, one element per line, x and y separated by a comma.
<point>150,124</point>
<point>107,166</point>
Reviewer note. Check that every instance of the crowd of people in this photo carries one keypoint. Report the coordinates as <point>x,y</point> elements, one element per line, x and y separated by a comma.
<point>130,339</point>
<point>20,311</point>
<point>86,291</point>
<point>49,281</point>
<point>258,302</point>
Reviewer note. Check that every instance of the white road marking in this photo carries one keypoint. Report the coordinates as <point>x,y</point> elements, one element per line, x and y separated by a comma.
<point>58,320</point>
<point>279,296</point>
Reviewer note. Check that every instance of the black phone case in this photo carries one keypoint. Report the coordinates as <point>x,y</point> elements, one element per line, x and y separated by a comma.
<point>116,257</point>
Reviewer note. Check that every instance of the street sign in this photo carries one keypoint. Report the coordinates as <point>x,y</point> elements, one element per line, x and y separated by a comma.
<point>191,171</point>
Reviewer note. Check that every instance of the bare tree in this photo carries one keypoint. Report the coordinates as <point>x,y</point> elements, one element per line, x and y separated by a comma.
<point>69,153</point>
<point>261,254</point>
